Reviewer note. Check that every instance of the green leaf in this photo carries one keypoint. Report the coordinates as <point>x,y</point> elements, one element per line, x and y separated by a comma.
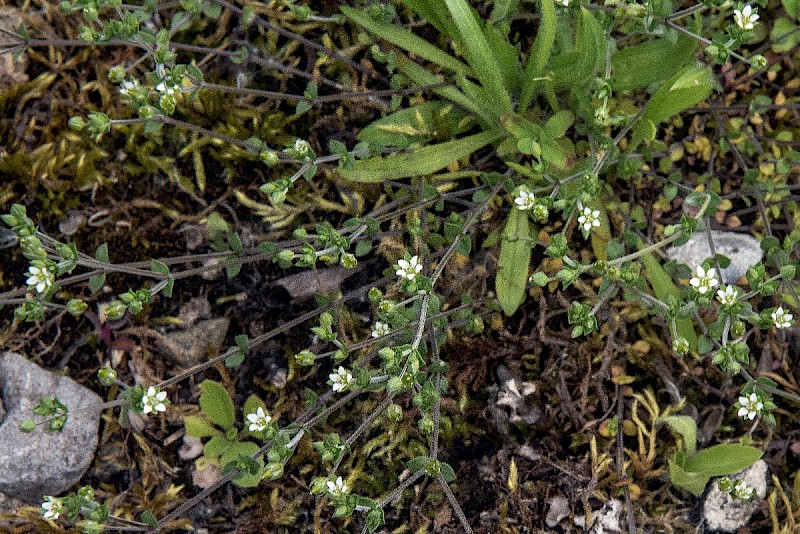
<point>663,287</point>
<point>540,54</point>
<point>417,464</point>
<point>416,125</point>
<point>668,102</point>
<point>479,54</point>
<point>557,125</point>
<point>725,459</point>
<point>375,519</point>
<point>691,481</point>
<point>217,445</point>
<point>784,35</point>
<point>199,427</point>
<point>447,472</point>
<point>637,66</point>
<point>792,7</point>
<point>101,254</point>
<point>216,403</point>
<point>148,518</point>
<point>246,449</point>
<point>159,267</point>
<point>573,70</point>
<point>515,258</point>
<point>97,282</point>
<point>406,40</point>
<point>686,427</point>
<point>420,162</point>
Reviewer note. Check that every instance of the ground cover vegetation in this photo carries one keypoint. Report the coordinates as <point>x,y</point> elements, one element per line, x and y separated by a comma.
<point>415,216</point>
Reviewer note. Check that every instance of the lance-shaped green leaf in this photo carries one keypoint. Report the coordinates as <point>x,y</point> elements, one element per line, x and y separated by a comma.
<point>692,481</point>
<point>725,459</point>
<point>540,54</point>
<point>419,162</point>
<point>638,66</point>
<point>686,427</point>
<point>515,258</point>
<point>405,40</point>
<point>484,63</point>
<point>578,67</point>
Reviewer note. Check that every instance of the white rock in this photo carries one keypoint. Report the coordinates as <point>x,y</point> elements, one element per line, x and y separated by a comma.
<point>723,512</point>
<point>743,250</point>
<point>559,509</point>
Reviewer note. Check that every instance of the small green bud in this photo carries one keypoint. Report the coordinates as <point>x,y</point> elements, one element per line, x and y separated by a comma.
<point>90,13</point>
<point>76,123</point>
<point>725,484</point>
<point>76,307</point>
<point>286,255</point>
<point>87,492</point>
<point>540,213</point>
<point>147,113</point>
<point>394,412</point>
<point>680,346</point>
<point>116,73</point>
<point>272,471</point>
<point>116,309</point>
<point>304,358</point>
<point>375,295</point>
<point>27,426</point>
<point>386,306</point>
<point>348,261</point>
<point>759,62</point>
<point>167,104</point>
<point>99,123</point>
<point>738,328</point>
<point>426,424</point>
<point>268,157</point>
<point>107,376</point>
<point>539,279</point>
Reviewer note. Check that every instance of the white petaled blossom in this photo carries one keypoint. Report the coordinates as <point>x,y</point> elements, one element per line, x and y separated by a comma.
<point>341,379</point>
<point>380,329</point>
<point>165,89</point>
<point>52,507</point>
<point>704,281</point>
<point>564,3</point>
<point>525,198</point>
<point>727,296</point>
<point>302,147</point>
<point>337,488</point>
<point>590,218</point>
<point>408,269</point>
<point>781,318</point>
<point>746,17</point>
<point>258,420</point>
<point>154,400</point>
<point>128,86</point>
<point>742,490</point>
<point>751,406</point>
<point>40,278</point>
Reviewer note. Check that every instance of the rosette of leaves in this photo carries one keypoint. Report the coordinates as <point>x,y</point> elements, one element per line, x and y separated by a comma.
<point>225,447</point>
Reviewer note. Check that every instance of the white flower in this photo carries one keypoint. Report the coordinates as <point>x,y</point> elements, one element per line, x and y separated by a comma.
<point>408,269</point>
<point>742,490</point>
<point>40,278</point>
<point>589,219</point>
<point>165,89</point>
<point>258,420</point>
<point>751,406</point>
<point>380,329</point>
<point>705,281</point>
<point>781,318</point>
<point>341,379</point>
<point>337,488</point>
<point>745,18</point>
<point>52,507</point>
<point>301,147</point>
<point>727,296</point>
<point>525,198</point>
<point>128,86</point>
<point>564,3</point>
<point>154,400</point>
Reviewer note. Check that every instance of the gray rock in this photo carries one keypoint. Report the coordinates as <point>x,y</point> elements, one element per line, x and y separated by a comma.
<point>40,463</point>
<point>723,512</point>
<point>743,250</point>
<point>192,346</point>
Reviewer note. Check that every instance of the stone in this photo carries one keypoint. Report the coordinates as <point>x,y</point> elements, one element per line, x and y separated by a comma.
<point>192,346</point>
<point>723,512</point>
<point>606,520</point>
<point>41,463</point>
<point>558,509</point>
<point>743,250</point>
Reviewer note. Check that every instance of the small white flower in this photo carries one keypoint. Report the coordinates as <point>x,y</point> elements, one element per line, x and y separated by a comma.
<point>165,89</point>
<point>52,507</point>
<point>302,147</point>
<point>742,491</point>
<point>781,318</point>
<point>704,281</point>
<point>727,296</point>
<point>745,18</point>
<point>408,269</point>
<point>564,3</point>
<point>40,278</point>
<point>128,86</point>
<point>341,379</point>
<point>258,420</point>
<point>337,488</point>
<point>380,329</point>
<point>589,219</point>
<point>751,406</point>
<point>525,198</point>
<point>154,400</point>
